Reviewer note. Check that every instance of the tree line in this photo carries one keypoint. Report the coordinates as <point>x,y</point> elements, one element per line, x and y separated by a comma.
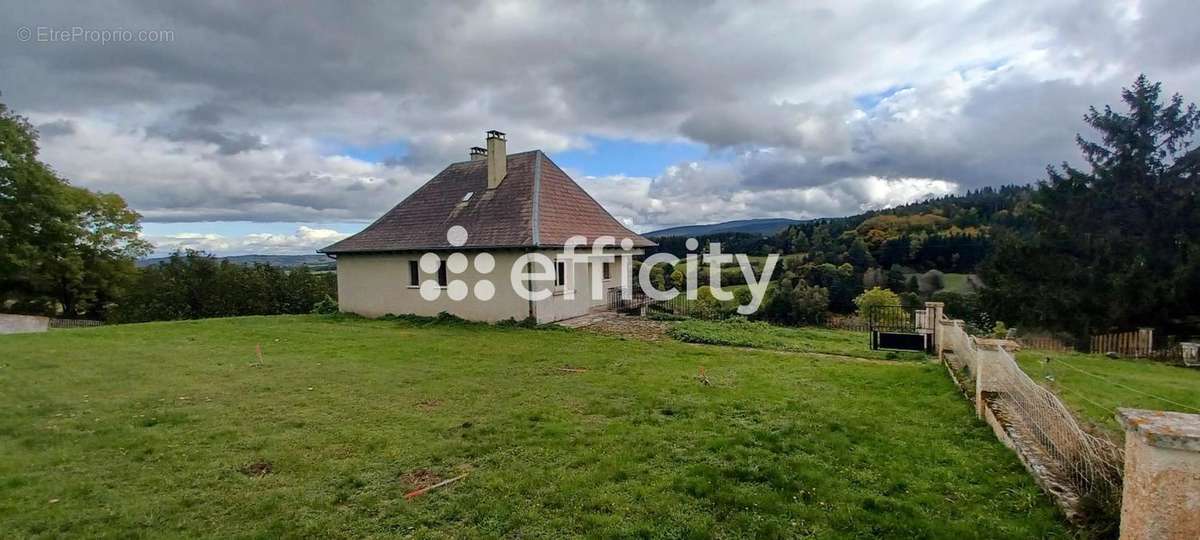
<point>1084,251</point>
<point>194,285</point>
<point>69,252</point>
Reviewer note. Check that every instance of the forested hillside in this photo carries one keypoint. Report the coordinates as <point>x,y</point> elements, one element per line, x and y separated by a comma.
<point>1086,251</point>
<point>951,233</point>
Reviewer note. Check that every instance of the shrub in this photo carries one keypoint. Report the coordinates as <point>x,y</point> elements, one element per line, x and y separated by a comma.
<point>931,282</point>
<point>706,306</point>
<point>325,306</point>
<point>743,296</point>
<point>809,303</point>
<point>875,298</point>
<point>910,300</point>
<point>678,279</point>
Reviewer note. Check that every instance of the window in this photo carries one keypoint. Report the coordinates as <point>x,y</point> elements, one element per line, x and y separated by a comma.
<point>414,274</point>
<point>442,274</point>
<point>560,274</point>
<point>608,270</point>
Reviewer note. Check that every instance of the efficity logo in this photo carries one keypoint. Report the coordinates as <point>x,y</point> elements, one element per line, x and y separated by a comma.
<point>538,276</point>
<point>456,264</point>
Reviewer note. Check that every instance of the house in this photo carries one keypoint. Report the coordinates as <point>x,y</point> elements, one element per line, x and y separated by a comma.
<point>468,241</point>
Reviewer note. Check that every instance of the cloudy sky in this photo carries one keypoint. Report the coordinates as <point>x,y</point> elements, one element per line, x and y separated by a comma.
<point>277,127</point>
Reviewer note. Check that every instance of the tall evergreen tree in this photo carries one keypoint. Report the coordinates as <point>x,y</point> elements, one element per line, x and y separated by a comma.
<point>1118,245</point>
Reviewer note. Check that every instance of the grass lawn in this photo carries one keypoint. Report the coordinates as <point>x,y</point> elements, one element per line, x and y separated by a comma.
<point>1095,385</point>
<point>952,282</point>
<point>174,429</point>
<point>957,283</point>
<point>760,335</point>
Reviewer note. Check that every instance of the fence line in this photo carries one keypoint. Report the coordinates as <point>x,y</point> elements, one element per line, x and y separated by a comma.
<point>1035,418</point>
<point>74,323</point>
<point>1044,343</point>
<point>1136,343</point>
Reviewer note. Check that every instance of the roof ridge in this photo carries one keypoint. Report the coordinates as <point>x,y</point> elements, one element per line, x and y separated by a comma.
<point>506,155</point>
<point>537,197</point>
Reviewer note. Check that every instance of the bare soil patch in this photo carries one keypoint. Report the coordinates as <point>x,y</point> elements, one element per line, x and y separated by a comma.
<point>257,468</point>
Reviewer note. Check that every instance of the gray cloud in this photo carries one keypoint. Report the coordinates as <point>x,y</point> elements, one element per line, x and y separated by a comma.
<point>234,118</point>
<point>227,143</point>
<point>56,128</point>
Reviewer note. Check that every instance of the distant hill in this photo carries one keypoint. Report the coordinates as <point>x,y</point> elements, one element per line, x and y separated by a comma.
<point>765,227</point>
<point>286,261</point>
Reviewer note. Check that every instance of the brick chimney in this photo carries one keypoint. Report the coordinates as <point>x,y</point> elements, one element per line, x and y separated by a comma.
<point>497,158</point>
<point>478,154</point>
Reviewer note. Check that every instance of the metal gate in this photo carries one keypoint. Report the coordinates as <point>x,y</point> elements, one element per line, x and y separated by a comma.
<point>899,328</point>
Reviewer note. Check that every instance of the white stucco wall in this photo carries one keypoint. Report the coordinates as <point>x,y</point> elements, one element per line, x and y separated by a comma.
<point>20,324</point>
<point>373,285</point>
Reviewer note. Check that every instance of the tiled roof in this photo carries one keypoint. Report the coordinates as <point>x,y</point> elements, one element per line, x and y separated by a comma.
<point>537,205</point>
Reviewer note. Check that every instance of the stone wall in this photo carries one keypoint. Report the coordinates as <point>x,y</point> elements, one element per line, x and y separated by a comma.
<point>22,324</point>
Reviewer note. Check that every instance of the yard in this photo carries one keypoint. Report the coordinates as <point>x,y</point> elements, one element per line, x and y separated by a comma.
<point>1095,385</point>
<point>180,429</point>
<point>760,335</point>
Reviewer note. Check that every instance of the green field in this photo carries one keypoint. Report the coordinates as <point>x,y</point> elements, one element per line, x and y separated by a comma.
<point>957,283</point>
<point>952,282</point>
<point>177,429</point>
<point>1094,385</point>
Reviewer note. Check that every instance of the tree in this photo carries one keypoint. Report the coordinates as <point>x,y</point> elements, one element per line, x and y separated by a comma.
<point>874,277</point>
<point>931,282</point>
<point>62,248</point>
<point>706,305</point>
<point>195,285</point>
<point>874,299</point>
<point>809,303</point>
<point>1117,245</point>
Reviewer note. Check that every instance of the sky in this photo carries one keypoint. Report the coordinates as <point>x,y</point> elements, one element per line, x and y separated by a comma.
<point>280,127</point>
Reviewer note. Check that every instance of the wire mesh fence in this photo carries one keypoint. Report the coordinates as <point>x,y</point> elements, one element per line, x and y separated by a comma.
<point>1035,418</point>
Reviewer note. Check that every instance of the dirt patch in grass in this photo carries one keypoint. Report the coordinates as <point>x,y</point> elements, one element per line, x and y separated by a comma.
<point>419,478</point>
<point>257,469</point>
<point>428,404</point>
<point>629,327</point>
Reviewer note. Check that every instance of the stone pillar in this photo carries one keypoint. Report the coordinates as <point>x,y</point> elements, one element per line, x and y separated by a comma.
<point>1161,498</point>
<point>933,312</point>
<point>1191,353</point>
